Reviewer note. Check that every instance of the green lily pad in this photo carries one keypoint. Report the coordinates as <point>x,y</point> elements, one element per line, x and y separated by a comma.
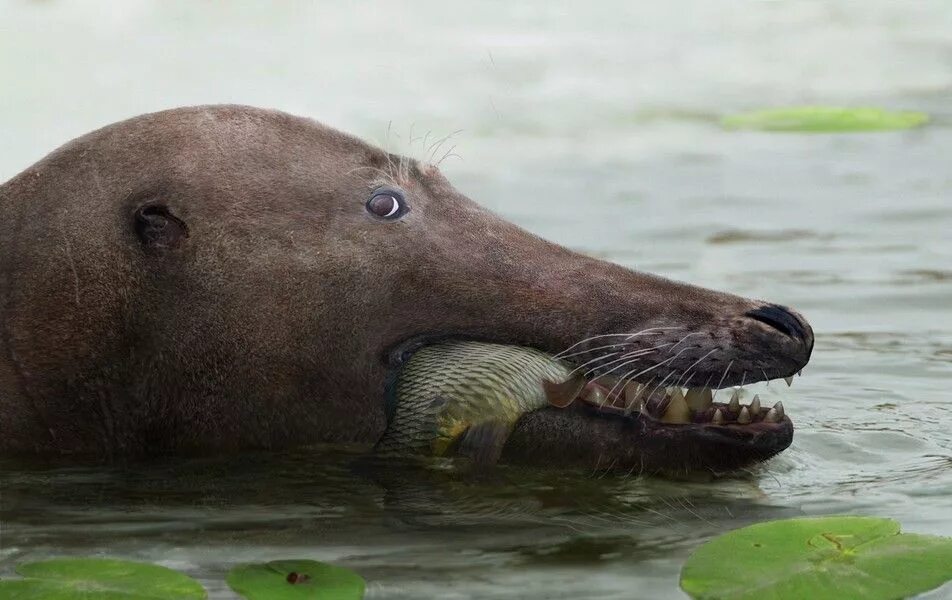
<point>295,580</point>
<point>105,578</point>
<point>831,558</point>
<point>820,119</point>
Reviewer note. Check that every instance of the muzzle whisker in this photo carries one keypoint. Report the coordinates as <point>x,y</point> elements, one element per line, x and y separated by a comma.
<point>721,382</point>
<point>620,381</point>
<point>696,363</point>
<point>594,360</point>
<point>624,357</point>
<point>623,380</point>
<point>649,369</point>
<point>661,383</point>
<point>625,335</point>
<point>580,352</point>
<point>684,338</point>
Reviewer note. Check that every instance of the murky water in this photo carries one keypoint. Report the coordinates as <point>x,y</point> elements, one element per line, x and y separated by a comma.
<point>594,125</point>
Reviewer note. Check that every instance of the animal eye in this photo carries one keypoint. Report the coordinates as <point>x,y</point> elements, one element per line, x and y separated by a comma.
<point>387,204</point>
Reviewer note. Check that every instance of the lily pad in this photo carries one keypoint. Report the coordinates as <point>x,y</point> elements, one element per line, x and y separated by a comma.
<point>296,580</point>
<point>109,579</point>
<point>831,558</point>
<point>821,119</point>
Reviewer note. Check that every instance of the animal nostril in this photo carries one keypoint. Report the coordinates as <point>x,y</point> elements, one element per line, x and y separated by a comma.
<point>781,319</point>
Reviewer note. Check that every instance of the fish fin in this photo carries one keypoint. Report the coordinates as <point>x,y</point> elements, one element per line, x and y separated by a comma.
<point>563,394</point>
<point>482,443</point>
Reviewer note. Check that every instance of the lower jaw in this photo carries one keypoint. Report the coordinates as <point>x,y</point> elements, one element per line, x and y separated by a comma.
<point>582,435</point>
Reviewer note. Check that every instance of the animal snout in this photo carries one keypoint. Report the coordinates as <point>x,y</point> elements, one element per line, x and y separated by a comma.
<point>786,321</point>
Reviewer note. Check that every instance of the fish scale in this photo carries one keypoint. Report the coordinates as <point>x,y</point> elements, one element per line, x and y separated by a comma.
<point>449,388</point>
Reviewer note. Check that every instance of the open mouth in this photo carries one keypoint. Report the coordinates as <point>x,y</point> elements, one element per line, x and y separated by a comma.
<point>678,406</point>
<point>590,418</point>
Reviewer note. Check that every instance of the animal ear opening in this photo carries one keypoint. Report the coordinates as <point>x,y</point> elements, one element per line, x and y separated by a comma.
<point>158,229</point>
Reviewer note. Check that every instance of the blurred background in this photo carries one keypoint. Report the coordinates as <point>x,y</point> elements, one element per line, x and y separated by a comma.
<point>596,125</point>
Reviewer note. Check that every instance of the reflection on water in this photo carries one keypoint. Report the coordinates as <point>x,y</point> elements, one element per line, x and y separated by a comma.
<point>595,126</point>
<point>412,530</point>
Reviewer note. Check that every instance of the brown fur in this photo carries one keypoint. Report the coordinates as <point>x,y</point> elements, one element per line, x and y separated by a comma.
<point>270,324</point>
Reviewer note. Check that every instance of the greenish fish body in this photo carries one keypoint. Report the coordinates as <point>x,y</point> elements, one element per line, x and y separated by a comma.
<point>467,392</point>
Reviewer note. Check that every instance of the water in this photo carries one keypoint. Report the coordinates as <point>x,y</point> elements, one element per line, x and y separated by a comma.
<point>596,128</point>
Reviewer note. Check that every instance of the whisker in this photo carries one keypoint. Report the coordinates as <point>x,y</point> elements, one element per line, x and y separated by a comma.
<point>684,338</point>
<point>628,335</point>
<point>721,382</point>
<point>669,374</point>
<point>585,364</point>
<point>661,383</point>
<point>384,174</point>
<point>649,369</point>
<point>633,354</point>
<point>605,347</point>
<point>623,380</point>
<point>694,365</point>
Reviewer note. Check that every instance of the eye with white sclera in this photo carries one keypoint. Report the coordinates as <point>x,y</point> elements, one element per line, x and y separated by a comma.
<point>387,204</point>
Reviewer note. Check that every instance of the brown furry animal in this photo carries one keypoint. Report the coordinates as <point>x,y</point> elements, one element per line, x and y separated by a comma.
<point>224,277</point>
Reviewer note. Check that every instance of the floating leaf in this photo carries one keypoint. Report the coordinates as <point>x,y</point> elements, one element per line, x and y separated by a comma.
<point>296,579</point>
<point>833,558</point>
<point>108,579</point>
<point>821,119</point>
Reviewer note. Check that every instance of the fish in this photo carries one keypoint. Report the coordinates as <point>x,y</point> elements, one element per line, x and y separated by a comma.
<point>463,397</point>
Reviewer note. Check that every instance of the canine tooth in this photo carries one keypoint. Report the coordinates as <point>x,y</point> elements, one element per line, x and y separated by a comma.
<point>699,398</point>
<point>677,411</point>
<point>734,404</point>
<point>755,406</point>
<point>718,418</point>
<point>779,408</point>
<point>772,416</point>
<point>744,417</point>
<point>789,380</point>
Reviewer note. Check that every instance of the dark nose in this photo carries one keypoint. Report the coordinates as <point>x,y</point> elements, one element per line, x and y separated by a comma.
<point>785,321</point>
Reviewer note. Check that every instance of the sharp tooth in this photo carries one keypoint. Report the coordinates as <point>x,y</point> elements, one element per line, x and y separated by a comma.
<point>594,395</point>
<point>632,391</point>
<point>744,417</point>
<point>772,416</point>
<point>718,418</point>
<point>678,411</point>
<point>734,405</point>
<point>563,394</point>
<point>755,406</point>
<point>789,380</point>
<point>699,398</point>
<point>779,408</point>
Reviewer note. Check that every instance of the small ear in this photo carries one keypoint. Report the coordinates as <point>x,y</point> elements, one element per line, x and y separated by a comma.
<point>158,229</point>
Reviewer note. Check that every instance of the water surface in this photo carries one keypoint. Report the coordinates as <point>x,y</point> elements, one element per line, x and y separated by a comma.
<point>594,125</point>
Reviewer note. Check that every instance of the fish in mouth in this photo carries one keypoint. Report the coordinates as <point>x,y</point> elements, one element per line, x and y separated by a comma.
<point>464,397</point>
